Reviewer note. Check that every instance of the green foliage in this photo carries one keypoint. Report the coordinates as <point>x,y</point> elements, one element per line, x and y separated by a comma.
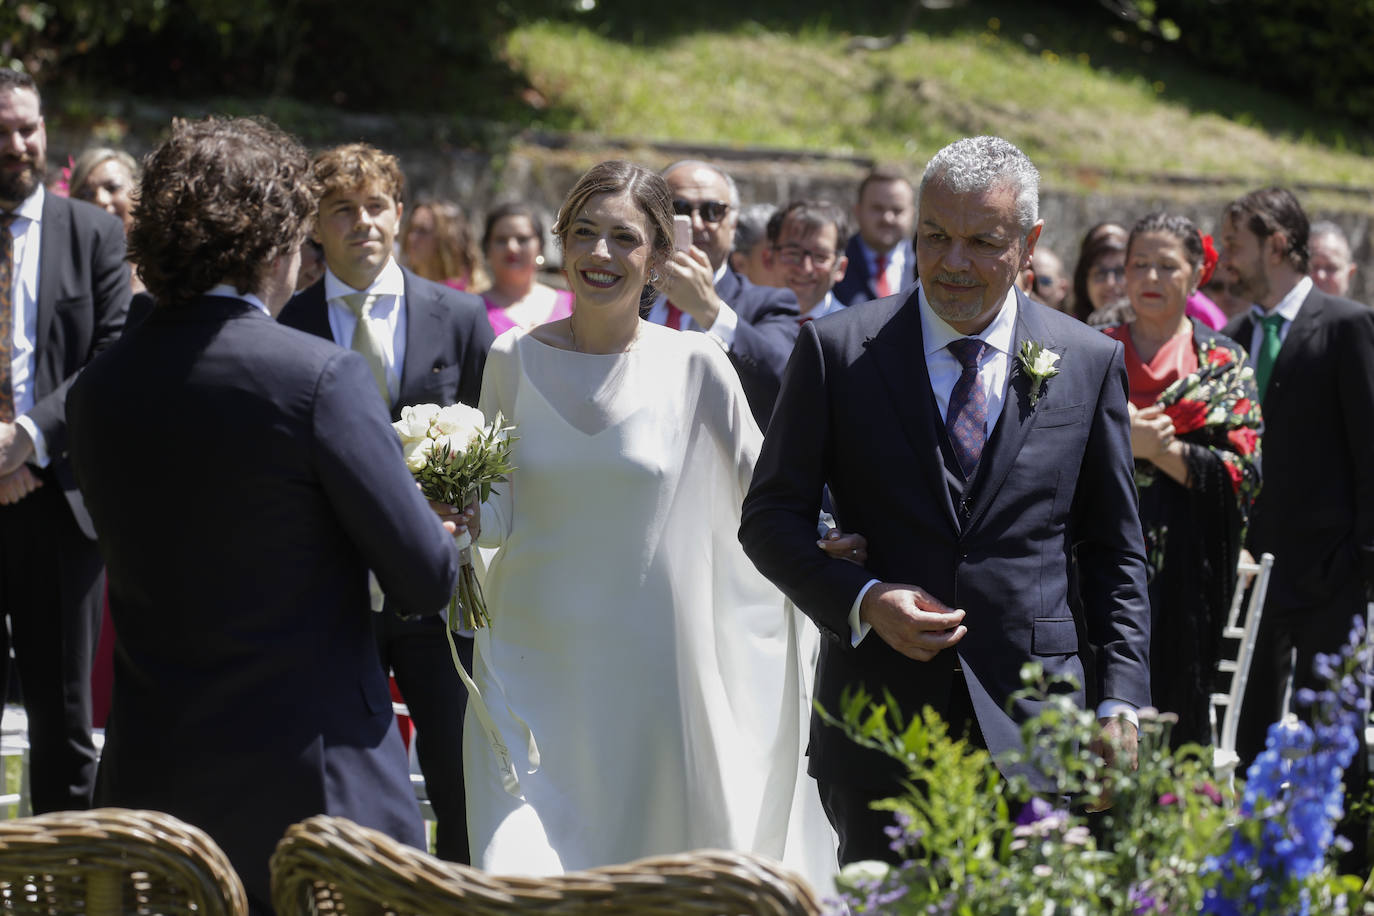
<point>969,855</point>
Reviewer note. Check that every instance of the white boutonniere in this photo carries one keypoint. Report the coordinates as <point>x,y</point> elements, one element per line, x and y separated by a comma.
<point>1039,365</point>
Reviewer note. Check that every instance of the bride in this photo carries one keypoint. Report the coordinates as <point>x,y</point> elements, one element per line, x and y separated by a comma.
<point>641,684</point>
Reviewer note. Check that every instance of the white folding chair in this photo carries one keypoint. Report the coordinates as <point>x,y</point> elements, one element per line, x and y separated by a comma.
<point>14,743</point>
<point>1242,635</point>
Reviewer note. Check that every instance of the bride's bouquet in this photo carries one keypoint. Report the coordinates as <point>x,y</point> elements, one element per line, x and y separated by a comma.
<point>456,456</point>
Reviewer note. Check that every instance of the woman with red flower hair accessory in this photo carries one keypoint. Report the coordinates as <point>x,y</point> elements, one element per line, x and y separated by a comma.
<point>1195,425</point>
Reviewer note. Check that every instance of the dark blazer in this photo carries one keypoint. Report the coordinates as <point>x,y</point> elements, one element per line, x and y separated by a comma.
<point>857,413</point>
<point>764,337</point>
<point>1316,510</point>
<point>244,478</point>
<point>857,284</point>
<point>447,339</point>
<point>83,299</point>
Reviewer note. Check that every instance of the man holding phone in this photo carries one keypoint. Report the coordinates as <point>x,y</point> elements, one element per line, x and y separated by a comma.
<point>755,325</point>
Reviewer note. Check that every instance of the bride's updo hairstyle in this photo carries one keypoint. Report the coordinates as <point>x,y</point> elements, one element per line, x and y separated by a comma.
<point>616,176</point>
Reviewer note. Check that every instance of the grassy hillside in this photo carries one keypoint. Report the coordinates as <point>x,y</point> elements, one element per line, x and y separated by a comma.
<point>1096,107</point>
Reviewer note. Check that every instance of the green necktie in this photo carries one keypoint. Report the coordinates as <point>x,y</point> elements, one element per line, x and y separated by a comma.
<point>366,341</point>
<point>1268,351</point>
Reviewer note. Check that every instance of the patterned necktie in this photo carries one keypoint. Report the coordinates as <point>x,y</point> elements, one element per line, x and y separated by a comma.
<point>7,274</point>
<point>674,319</point>
<point>967,418</point>
<point>1268,351</point>
<point>366,341</point>
<point>880,284</point>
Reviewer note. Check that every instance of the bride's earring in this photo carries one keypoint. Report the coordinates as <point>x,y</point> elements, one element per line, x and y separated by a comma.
<point>653,276</point>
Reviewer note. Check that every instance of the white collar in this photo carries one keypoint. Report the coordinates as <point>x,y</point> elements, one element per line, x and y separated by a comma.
<point>390,281</point>
<point>1289,305</point>
<point>32,207</point>
<point>999,334</point>
<point>228,291</point>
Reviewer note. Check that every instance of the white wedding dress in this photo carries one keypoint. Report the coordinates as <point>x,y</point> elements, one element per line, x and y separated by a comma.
<point>632,643</point>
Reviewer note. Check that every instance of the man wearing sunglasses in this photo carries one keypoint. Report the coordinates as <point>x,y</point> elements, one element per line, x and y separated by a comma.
<point>698,291</point>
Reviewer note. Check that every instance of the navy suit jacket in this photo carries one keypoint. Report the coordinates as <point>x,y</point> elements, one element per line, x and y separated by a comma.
<point>857,284</point>
<point>857,413</point>
<point>764,337</point>
<point>244,477</point>
<point>1316,510</point>
<point>447,339</point>
<point>83,299</point>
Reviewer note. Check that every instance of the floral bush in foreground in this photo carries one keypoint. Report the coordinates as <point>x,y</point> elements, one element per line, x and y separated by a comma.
<point>1173,840</point>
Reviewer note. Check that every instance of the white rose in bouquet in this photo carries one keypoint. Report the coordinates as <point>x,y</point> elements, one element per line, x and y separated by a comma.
<point>456,456</point>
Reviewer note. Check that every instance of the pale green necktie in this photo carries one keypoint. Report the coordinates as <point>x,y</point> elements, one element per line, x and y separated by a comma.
<point>366,340</point>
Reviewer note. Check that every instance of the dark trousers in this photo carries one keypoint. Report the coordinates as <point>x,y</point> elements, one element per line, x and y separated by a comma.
<point>51,581</point>
<point>1309,630</point>
<point>418,655</point>
<point>863,832</point>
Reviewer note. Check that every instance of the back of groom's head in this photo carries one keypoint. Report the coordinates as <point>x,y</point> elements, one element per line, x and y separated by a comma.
<point>220,199</point>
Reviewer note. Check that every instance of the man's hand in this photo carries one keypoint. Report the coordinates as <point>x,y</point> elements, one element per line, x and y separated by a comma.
<point>17,484</point>
<point>852,547</point>
<point>911,620</point>
<point>688,280</point>
<point>1117,743</point>
<point>15,447</point>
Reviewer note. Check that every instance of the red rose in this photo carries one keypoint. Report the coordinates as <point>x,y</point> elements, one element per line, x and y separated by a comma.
<point>1236,475</point>
<point>1243,407</point>
<point>1219,356</point>
<point>1243,439</point>
<point>1187,415</point>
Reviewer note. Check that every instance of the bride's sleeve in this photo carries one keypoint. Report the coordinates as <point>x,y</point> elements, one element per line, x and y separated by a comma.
<point>731,418</point>
<point>498,396</point>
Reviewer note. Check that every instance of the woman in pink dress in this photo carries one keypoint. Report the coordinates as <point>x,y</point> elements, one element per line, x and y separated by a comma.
<point>513,242</point>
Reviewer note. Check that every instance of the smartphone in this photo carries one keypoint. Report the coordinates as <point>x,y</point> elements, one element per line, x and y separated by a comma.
<point>682,232</point>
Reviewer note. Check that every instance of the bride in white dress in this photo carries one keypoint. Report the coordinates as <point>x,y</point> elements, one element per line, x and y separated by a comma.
<point>641,681</point>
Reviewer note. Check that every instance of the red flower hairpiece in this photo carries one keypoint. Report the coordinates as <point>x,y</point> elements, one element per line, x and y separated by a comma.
<point>1209,259</point>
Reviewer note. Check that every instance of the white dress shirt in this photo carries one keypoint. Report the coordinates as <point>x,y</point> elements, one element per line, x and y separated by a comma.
<point>1288,307</point>
<point>722,331</point>
<point>27,233</point>
<point>827,306</point>
<point>388,311</point>
<point>893,269</point>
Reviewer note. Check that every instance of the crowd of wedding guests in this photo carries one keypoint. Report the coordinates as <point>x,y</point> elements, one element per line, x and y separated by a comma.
<point>857,361</point>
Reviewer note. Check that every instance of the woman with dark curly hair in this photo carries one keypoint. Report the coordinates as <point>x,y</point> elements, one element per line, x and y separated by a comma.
<point>1195,425</point>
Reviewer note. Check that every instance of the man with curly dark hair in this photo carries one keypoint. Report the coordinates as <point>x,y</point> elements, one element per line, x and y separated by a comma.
<point>64,294</point>
<point>244,477</point>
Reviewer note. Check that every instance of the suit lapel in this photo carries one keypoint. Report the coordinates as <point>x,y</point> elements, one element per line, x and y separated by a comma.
<point>314,312</point>
<point>423,319</point>
<point>1291,354</point>
<point>899,353</point>
<point>1012,427</point>
<point>54,231</point>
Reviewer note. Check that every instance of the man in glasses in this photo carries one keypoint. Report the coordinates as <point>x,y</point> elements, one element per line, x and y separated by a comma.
<point>806,237</point>
<point>1051,281</point>
<point>698,291</point>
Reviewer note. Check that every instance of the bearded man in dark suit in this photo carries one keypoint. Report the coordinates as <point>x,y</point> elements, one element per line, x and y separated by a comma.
<point>248,694</point>
<point>975,476</point>
<point>64,296</point>
<point>1314,369</point>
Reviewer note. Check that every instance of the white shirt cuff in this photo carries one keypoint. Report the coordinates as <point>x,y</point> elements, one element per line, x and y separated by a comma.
<point>723,329</point>
<point>857,628</point>
<point>40,446</point>
<point>1110,709</point>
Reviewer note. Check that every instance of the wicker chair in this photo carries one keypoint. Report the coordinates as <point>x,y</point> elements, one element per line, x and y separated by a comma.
<point>114,861</point>
<point>332,865</point>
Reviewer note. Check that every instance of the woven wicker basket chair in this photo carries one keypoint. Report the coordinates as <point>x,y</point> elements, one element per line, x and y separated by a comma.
<point>332,865</point>
<point>114,861</point>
